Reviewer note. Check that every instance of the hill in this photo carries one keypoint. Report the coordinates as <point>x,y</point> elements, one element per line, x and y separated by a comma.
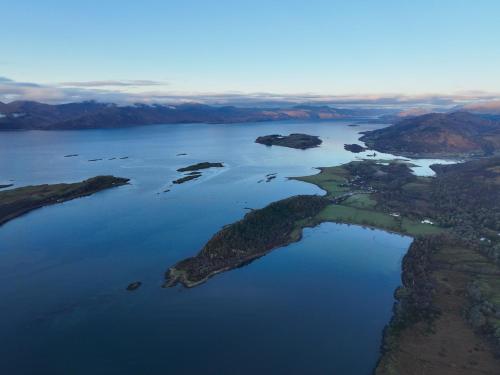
<point>454,134</point>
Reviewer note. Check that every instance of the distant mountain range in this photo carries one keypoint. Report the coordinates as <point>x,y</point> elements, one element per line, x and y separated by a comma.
<point>453,134</point>
<point>27,115</point>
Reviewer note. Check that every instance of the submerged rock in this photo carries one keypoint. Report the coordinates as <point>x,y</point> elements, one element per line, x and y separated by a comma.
<point>133,286</point>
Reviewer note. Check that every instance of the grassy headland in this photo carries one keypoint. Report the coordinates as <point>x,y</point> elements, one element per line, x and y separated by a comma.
<point>372,194</point>
<point>256,234</point>
<point>16,202</point>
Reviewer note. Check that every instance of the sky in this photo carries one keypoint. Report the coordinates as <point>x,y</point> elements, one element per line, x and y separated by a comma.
<point>62,50</point>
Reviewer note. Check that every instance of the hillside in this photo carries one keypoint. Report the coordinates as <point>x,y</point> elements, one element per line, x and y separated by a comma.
<point>455,134</point>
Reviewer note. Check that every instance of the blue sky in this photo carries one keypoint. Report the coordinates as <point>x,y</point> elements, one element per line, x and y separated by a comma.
<point>288,47</point>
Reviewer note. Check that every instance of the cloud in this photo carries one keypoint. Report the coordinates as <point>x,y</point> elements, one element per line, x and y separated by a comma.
<point>8,81</point>
<point>122,92</point>
<point>114,83</point>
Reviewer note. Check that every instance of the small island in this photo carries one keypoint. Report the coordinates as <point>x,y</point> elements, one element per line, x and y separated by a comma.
<point>16,202</point>
<point>194,171</point>
<point>295,140</point>
<point>6,186</point>
<point>188,177</point>
<point>198,166</point>
<point>355,148</point>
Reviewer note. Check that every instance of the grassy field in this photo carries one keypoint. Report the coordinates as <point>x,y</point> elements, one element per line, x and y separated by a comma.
<point>361,208</point>
<point>354,215</point>
<point>396,161</point>
<point>363,201</point>
<point>329,179</point>
<point>428,347</point>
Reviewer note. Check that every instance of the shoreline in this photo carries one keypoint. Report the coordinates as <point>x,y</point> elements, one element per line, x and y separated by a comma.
<point>391,198</point>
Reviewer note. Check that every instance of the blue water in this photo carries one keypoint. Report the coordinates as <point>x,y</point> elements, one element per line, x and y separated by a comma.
<point>317,306</point>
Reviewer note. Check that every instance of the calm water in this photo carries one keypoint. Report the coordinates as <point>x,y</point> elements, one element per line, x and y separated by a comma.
<point>317,306</point>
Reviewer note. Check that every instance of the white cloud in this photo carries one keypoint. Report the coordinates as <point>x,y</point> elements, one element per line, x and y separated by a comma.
<point>122,92</point>
<point>114,83</point>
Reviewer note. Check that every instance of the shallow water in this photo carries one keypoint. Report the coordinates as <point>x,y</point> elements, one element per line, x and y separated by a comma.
<point>316,306</point>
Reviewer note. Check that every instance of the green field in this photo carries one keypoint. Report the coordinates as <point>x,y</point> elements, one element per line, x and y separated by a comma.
<point>354,215</point>
<point>329,179</point>
<point>361,208</point>
<point>364,201</point>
